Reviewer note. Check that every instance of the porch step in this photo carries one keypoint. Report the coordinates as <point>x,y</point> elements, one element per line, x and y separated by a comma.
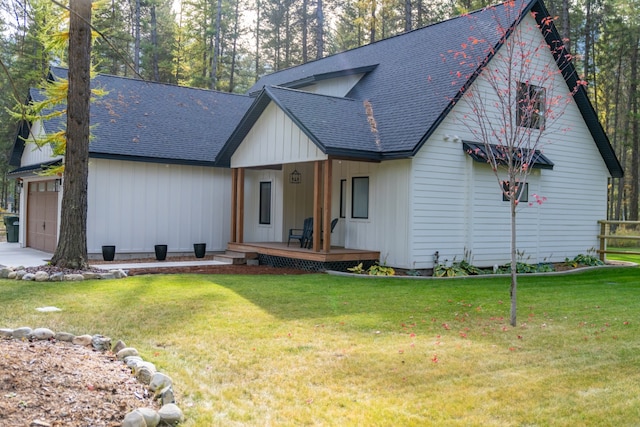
<point>235,257</point>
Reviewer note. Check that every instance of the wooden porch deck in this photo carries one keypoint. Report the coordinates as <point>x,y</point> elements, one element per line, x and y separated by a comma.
<point>277,249</point>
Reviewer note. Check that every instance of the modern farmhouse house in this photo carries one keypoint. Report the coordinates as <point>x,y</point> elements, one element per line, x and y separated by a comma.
<point>373,137</point>
<point>152,178</point>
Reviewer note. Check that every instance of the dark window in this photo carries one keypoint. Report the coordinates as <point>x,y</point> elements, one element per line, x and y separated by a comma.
<point>360,197</point>
<point>343,198</point>
<point>530,108</point>
<point>265,203</point>
<point>521,192</point>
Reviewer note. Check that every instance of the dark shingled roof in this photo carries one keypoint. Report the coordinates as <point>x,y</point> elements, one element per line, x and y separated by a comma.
<point>155,122</point>
<point>408,85</point>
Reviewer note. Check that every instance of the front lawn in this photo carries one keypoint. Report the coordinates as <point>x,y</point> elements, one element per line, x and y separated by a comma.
<point>326,350</point>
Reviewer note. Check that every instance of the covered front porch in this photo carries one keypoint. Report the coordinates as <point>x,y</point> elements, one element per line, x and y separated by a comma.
<point>278,254</point>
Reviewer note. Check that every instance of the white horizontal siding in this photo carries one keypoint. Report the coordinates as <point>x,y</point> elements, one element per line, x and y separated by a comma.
<point>138,205</point>
<point>274,139</point>
<point>458,205</point>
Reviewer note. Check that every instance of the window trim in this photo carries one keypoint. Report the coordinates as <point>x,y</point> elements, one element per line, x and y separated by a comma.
<point>529,96</point>
<point>264,206</point>
<point>343,198</point>
<point>521,192</point>
<point>355,197</point>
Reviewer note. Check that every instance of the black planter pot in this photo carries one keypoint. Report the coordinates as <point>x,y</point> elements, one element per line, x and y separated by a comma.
<point>161,252</point>
<point>200,249</point>
<point>108,252</point>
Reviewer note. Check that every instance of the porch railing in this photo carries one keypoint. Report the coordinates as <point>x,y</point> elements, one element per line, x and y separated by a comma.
<point>607,234</point>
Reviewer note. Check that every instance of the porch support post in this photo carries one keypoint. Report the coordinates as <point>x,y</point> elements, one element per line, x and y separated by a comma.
<point>317,204</point>
<point>240,207</point>
<point>234,204</point>
<point>326,218</point>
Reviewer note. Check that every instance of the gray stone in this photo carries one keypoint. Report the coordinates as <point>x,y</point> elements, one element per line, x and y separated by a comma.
<point>88,275</point>
<point>170,414</point>
<point>6,333</point>
<point>28,277</point>
<point>23,332</point>
<point>20,273</point>
<point>83,340</point>
<point>118,346</point>
<point>167,396</point>
<point>101,343</point>
<point>134,419</point>
<point>4,273</point>
<point>120,274</point>
<point>106,276</point>
<point>127,351</point>
<point>65,336</point>
<point>133,361</point>
<point>41,276</point>
<point>144,371</point>
<point>151,417</point>
<point>39,423</point>
<point>56,277</point>
<point>159,381</point>
<point>73,277</point>
<point>12,275</point>
<point>43,334</point>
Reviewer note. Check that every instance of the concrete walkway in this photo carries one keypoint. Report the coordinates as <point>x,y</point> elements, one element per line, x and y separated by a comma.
<point>12,255</point>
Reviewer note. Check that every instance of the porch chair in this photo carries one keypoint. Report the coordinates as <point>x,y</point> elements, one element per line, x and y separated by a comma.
<point>304,234</point>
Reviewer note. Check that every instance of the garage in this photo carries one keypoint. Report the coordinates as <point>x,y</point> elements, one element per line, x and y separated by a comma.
<point>42,216</point>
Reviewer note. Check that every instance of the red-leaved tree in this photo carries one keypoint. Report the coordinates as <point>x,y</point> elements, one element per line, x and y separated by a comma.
<point>512,95</point>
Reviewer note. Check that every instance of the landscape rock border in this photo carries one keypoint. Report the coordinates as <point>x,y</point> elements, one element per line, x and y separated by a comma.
<point>40,275</point>
<point>158,384</point>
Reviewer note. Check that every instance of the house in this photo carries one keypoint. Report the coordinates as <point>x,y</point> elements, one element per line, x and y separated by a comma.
<point>152,173</point>
<point>371,136</point>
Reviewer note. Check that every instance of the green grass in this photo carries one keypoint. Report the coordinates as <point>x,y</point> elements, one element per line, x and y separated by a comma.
<point>624,257</point>
<point>326,350</point>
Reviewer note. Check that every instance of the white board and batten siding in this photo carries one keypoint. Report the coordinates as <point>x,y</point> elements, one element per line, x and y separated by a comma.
<point>457,203</point>
<point>136,205</point>
<point>273,140</point>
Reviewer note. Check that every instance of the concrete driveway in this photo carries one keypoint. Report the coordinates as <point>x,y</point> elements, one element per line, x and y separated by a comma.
<point>12,255</point>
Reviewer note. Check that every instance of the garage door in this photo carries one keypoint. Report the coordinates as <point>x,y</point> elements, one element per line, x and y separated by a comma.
<point>42,216</point>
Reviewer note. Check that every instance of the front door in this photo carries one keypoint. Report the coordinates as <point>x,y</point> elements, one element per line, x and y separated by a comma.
<point>42,216</point>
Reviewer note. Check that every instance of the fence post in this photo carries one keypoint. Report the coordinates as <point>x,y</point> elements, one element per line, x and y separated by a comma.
<point>603,244</point>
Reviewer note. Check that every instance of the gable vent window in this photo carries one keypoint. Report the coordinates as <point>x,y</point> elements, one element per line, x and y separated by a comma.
<point>530,109</point>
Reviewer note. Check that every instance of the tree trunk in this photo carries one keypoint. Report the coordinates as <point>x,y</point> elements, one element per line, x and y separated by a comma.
<point>514,254</point>
<point>305,31</point>
<point>257,40</point>
<point>154,43</point>
<point>72,245</point>
<point>407,15</point>
<point>320,30</point>
<point>566,29</point>
<point>236,34</point>
<point>372,28</point>
<point>216,46</point>
<point>136,47</point>
<point>587,40</point>
<point>635,129</point>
